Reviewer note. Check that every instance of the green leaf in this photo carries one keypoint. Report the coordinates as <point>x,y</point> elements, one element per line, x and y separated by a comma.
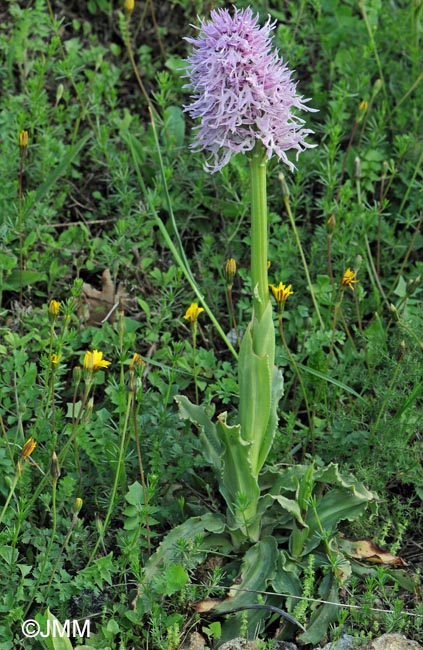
<point>24,278</point>
<point>174,125</point>
<point>257,571</point>
<point>324,615</point>
<point>260,387</point>
<point>211,446</point>
<point>175,579</point>
<point>331,380</point>
<point>59,170</point>
<point>189,530</point>
<point>56,639</point>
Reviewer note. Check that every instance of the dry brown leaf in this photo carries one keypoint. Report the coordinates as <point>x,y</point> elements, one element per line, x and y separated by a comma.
<point>363,549</point>
<point>97,306</point>
<point>205,605</point>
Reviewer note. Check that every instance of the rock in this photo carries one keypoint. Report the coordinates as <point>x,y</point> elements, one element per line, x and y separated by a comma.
<point>393,642</point>
<point>195,642</point>
<point>346,642</point>
<point>239,644</point>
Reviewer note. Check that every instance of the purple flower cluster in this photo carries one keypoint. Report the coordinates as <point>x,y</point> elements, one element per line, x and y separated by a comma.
<point>241,90</point>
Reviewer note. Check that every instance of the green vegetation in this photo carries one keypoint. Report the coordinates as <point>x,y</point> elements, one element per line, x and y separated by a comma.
<point>114,506</point>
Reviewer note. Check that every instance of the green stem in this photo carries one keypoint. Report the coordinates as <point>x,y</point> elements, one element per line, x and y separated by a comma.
<point>10,495</point>
<point>116,481</point>
<point>194,359</point>
<point>285,193</point>
<point>260,283</point>
<point>47,553</point>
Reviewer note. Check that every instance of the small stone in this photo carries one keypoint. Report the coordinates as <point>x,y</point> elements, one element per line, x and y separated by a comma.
<point>239,644</point>
<point>393,642</point>
<point>346,642</point>
<point>195,642</point>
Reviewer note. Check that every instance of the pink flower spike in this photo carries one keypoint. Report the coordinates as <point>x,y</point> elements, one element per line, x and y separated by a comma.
<point>242,91</point>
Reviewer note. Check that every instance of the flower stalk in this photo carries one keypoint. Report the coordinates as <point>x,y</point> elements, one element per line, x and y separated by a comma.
<point>259,228</point>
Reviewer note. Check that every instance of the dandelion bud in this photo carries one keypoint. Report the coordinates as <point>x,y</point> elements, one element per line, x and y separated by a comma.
<point>377,87</point>
<point>401,351</point>
<point>128,6</point>
<point>59,93</point>
<point>394,312</point>
<point>53,309</point>
<point>76,375</point>
<point>331,224</point>
<point>77,505</point>
<point>285,188</point>
<point>357,167</point>
<point>412,285</point>
<point>54,466</point>
<point>362,110</point>
<point>230,271</point>
<point>23,139</point>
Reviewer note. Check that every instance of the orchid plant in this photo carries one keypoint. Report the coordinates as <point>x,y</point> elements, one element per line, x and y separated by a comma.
<point>246,101</point>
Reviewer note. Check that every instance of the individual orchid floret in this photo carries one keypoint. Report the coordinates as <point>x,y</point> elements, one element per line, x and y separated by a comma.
<point>242,91</point>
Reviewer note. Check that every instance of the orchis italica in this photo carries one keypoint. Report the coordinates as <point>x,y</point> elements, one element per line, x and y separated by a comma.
<point>242,90</point>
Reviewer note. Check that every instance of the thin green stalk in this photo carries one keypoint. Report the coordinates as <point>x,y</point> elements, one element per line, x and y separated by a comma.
<point>297,372</point>
<point>232,310</point>
<point>259,236</point>
<point>373,43</point>
<point>139,456</point>
<point>385,401</point>
<point>285,193</point>
<point>194,359</point>
<point>116,481</point>
<point>9,496</point>
<point>48,550</point>
<point>180,260</point>
<point>59,555</point>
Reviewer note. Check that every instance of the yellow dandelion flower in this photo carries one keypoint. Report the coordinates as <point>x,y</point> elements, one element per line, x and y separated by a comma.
<point>281,292</point>
<point>54,308</point>
<point>128,6</point>
<point>193,312</point>
<point>28,448</point>
<point>93,360</point>
<point>348,279</point>
<point>54,359</point>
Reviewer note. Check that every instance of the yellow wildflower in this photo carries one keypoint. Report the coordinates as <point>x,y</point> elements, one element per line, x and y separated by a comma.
<point>23,139</point>
<point>137,360</point>
<point>281,292</point>
<point>93,360</point>
<point>54,308</point>
<point>54,359</point>
<point>28,448</point>
<point>128,6</point>
<point>348,279</point>
<point>193,312</point>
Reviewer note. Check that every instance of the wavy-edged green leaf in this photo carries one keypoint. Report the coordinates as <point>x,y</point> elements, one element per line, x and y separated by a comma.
<point>257,571</point>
